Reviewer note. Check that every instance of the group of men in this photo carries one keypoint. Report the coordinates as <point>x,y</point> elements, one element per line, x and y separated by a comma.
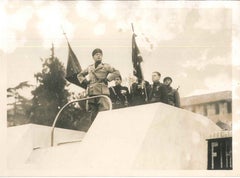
<point>141,92</point>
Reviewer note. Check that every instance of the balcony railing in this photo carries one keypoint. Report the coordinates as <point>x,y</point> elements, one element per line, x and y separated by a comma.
<point>74,101</point>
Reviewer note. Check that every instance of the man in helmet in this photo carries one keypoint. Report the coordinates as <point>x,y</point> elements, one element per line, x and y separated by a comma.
<point>173,95</point>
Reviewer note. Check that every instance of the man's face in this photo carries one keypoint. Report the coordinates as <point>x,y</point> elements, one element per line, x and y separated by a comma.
<point>97,57</point>
<point>118,81</point>
<point>167,82</point>
<point>155,77</point>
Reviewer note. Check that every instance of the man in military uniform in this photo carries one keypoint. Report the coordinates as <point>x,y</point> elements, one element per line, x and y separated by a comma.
<point>139,92</point>
<point>173,95</point>
<point>119,94</point>
<point>99,75</point>
<point>158,91</point>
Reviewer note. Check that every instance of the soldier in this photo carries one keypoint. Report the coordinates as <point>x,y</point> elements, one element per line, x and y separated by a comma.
<point>173,95</point>
<point>139,92</point>
<point>119,94</point>
<point>99,75</point>
<point>158,91</point>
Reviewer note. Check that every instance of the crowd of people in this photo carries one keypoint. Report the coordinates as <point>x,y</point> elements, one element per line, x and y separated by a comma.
<point>141,91</point>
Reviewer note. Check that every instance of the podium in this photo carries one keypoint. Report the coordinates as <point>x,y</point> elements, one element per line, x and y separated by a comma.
<point>129,140</point>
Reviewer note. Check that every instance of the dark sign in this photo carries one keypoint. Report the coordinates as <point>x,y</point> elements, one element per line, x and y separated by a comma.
<point>220,153</point>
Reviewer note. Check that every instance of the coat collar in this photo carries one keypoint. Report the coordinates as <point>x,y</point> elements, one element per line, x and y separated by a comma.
<point>100,66</point>
<point>157,83</point>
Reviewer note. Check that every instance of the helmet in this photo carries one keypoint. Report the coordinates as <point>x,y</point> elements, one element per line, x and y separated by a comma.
<point>167,78</point>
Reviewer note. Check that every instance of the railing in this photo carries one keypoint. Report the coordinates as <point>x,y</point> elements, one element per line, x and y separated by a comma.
<point>83,99</point>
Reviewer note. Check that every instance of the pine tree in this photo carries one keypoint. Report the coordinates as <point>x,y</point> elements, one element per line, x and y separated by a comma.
<point>18,112</point>
<point>50,94</point>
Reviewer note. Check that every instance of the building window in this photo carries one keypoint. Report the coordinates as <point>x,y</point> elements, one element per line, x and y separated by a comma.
<point>193,109</point>
<point>229,107</point>
<point>216,108</point>
<point>205,110</point>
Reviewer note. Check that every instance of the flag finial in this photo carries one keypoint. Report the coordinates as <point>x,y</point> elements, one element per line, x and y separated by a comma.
<point>64,34</point>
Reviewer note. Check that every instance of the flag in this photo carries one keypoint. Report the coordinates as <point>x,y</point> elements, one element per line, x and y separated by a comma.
<point>73,68</point>
<point>136,60</point>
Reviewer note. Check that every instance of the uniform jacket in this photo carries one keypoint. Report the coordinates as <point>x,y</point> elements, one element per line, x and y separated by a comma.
<point>98,78</point>
<point>173,97</point>
<point>120,96</point>
<point>158,93</point>
<point>140,94</point>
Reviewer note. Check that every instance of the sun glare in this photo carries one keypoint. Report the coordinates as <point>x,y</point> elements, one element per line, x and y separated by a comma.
<point>83,8</point>
<point>86,10</point>
<point>11,24</point>
<point>52,18</point>
<point>100,29</point>
<point>108,9</point>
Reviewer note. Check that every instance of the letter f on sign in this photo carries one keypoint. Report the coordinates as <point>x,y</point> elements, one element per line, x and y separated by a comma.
<point>214,154</point>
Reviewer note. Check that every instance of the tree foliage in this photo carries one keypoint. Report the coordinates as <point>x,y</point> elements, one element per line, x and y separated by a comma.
<point>19,105</point>
<point>75,116</point>
<point>50,94</point>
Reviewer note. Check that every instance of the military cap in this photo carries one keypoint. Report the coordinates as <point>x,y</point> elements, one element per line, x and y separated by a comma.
<point>97,50</point>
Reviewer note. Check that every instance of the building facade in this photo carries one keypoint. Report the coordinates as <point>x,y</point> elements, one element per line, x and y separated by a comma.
<point>216,106</point>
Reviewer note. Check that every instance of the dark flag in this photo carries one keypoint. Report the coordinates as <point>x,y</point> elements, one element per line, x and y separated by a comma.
<point>73,68</point>
<point>136,60</point>
<point>137,69</point>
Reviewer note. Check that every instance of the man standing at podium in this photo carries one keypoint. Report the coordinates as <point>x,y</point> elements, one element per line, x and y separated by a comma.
<point>99,75</point>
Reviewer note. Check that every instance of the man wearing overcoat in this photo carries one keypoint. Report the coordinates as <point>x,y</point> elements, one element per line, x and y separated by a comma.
<point>158,91</point>
<point>119,94</point>
<point>173,95</point>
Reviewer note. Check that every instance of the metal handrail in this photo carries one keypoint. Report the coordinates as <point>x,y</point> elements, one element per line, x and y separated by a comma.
<point>73,101</point>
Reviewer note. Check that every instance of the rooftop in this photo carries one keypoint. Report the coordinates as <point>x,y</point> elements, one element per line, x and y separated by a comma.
<point>206,98</point>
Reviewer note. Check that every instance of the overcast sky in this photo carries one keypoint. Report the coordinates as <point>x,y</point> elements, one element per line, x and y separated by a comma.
<point>192,45</point>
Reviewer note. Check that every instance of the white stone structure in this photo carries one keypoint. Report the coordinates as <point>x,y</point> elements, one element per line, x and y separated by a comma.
<point>129,141</point>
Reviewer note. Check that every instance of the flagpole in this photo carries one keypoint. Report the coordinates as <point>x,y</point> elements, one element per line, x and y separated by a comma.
<point>132,27</point>
<point>64,34</point>
<point>146,95</point>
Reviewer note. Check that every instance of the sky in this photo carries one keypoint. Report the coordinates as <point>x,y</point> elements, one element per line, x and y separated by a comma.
<point>187,41</point>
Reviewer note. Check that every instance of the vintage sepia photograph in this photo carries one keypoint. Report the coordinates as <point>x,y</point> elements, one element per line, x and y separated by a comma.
<point>120,88</point>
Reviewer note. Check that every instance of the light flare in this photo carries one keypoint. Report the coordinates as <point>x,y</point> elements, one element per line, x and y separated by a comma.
<point>52,18</point>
